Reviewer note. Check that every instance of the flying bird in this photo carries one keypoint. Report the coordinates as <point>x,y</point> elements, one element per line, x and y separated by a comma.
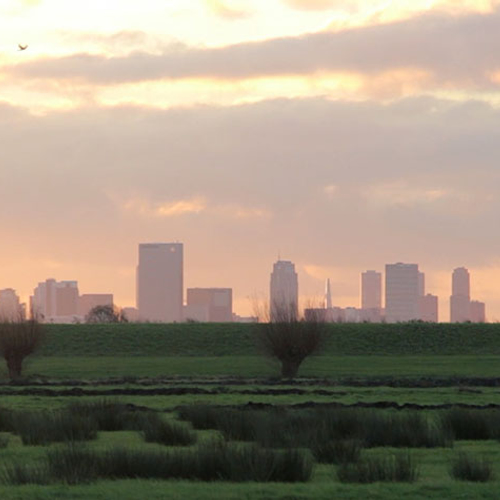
<point>22,47</point>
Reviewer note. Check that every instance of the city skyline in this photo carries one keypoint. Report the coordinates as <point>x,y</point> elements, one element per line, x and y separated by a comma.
<point>333,132</point>
<point>164,264</point>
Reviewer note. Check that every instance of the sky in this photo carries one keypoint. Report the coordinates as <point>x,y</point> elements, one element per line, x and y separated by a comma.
<point>339,134</point>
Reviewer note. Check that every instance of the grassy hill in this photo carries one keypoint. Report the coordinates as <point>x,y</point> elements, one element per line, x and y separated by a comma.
<point>214,340</point>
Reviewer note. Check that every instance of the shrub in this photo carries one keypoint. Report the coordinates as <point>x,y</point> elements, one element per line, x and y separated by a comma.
<point>472,424</point>
<point>290,341</point>
<point>19,339</point>
<point>396,468</point>
<point>467,467</point>
<point>157,430</point>
<point>40,428</point>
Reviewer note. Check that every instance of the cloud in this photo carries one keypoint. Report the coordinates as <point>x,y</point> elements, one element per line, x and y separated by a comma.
<point>195,205</point>
<point>321,4</point>
<point>439,49</point>
<point>416,180</point>
<point>222,9</point>
<point>165,209</point>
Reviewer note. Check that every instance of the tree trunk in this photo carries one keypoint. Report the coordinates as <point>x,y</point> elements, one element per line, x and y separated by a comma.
<point>289,368</point>
<point>15,367</point>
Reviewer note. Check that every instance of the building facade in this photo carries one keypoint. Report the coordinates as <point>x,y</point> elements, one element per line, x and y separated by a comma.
<point>214,305</point>
<point>401,292</point>
<point>284,292</point>
<point>460,296</point>
<point>160,282</point>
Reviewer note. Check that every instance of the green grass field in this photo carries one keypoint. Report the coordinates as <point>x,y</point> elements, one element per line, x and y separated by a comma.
<point>220,365</point>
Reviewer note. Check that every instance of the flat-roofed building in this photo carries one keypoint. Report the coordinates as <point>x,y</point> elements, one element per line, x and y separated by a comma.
<point>160,282</point>
<point>401,292</point>
<point>284,292</point>
<point>214,305</point>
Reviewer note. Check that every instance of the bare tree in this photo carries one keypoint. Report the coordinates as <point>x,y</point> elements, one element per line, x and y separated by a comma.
<point>106,314</point>
<point>19,339</point>
<point>290,340</point>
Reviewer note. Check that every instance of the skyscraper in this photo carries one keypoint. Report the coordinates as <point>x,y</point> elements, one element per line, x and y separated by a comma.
<point>371,290</point>
<point>401,292</point>
<point>160,282</point>
<point>284,296</point>
<point>460,296</point>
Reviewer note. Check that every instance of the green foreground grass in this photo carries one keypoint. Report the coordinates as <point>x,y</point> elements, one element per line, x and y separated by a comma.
<point>205,352</point>
<point>324,366</point>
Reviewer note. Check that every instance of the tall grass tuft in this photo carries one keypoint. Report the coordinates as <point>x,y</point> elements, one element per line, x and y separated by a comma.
<point>473,425</point>
<point>73,464</point>
<point>396,468</point>
<point>337,451</point>
<point>156,430</point>
<point>108,415</point>
<point>40,428</point>
<point>318,429</point>
<point>468,467</point>
<point>20,473</point>
<point>217,461</point>
<point>4,441</point>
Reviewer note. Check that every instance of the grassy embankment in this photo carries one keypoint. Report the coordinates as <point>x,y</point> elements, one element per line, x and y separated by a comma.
<point>363,350</point>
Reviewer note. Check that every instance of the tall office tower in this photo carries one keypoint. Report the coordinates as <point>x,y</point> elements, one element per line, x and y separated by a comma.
<point>214,305</point>
<point>460,296</point>
<point>371,290</point>
<point>160,282</point>
<point>53,300</point>
<point>284,296</point>
<point>401,292</point>
<point>477,311</point>
<point>328,295</point>
<point>428,308</point>
<point>10,307</point>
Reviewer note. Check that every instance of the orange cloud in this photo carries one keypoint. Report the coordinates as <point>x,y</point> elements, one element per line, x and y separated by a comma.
<point>222,9</point>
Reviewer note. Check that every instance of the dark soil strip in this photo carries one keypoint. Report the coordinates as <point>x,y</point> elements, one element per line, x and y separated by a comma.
<point>408,383</point>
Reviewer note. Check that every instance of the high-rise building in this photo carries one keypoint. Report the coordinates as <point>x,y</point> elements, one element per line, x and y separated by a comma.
<point>55,301</point>
<point>10,306</point>
<point>371,290</point>
<point>477,311</point>
<point>401,292</point>
<point>284,296</point>
<point>460,296</point>
<point>214,305</point>
<point>371,296</point>
<point>160,282</point>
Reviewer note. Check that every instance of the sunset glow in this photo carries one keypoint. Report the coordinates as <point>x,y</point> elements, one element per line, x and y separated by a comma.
<point>342,135</point>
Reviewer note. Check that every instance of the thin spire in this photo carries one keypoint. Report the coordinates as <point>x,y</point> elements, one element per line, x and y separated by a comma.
<point>328,295</point>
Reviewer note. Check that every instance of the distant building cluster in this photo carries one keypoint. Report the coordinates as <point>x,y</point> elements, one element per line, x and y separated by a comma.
<point>405,299</point>
<point>60,302</point>
<point>160,296</point>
